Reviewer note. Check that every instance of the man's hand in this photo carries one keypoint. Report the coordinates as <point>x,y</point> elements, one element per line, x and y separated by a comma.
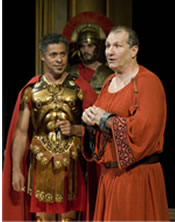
<point>89,115</point>
<point>18,181</point>
<point>92,115</point>
<point>65,127</point>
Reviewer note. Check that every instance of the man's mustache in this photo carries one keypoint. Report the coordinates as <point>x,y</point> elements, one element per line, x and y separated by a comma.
<point>86,54</point>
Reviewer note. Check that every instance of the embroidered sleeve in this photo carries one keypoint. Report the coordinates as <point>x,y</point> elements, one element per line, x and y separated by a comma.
<point>120,134</point>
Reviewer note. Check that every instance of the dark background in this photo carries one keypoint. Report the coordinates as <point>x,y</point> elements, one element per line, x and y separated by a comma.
<point>152,20</point>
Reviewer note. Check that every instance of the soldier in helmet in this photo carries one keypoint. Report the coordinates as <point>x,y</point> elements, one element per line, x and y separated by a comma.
<point>89,46</point>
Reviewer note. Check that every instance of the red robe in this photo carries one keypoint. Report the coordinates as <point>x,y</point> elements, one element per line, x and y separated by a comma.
<point>133,191</point>
<point>16,205</point>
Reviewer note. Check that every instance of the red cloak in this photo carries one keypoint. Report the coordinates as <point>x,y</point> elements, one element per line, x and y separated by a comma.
<point>16,205</point>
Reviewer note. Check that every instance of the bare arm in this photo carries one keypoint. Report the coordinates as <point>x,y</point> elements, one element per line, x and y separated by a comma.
<point>76,130</point>
<point>18,149</point>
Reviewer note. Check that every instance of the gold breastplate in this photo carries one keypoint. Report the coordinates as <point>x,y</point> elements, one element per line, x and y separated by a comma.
<point>53,152</point>
<point>49,104</point>
<point>52,102</point>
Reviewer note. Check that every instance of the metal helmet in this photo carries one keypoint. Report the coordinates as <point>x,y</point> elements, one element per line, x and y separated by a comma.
<point>88,36</point>
<point>89,26</point>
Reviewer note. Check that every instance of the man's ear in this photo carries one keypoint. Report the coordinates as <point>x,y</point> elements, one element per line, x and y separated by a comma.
<point>42,57</point>
<point>135,50</point>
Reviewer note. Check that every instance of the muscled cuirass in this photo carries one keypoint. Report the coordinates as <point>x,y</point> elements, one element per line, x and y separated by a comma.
<point>52,150</point>
<point>52,103</point>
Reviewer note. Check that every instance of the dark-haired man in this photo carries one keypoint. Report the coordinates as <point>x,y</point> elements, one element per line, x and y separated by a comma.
<point>89,49</point>
<point>42,172</point>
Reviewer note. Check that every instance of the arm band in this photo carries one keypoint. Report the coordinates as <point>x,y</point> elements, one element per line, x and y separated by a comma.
<point>103,120</point>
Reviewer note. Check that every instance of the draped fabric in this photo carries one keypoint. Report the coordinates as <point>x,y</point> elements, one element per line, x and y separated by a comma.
<point>15,204</point>
<point>132,191</point>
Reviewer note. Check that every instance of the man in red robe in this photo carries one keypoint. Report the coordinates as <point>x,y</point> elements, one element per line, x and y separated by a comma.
<point>42,172</point>
<point>128,120</point>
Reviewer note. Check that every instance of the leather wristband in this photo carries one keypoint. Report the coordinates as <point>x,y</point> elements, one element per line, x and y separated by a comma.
<point>103,120</point>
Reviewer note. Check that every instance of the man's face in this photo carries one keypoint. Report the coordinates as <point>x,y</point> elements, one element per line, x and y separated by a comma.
<point>55,59</point>
<point>87,52</point>
<point>118,52</point>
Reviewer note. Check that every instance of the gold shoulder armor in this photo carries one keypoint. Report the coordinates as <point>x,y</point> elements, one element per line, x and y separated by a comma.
<point>99,77</point>
<point>26,97</point>
<point>80,95</point>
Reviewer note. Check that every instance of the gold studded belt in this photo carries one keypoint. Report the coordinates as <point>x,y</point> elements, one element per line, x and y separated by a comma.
<point>60,159</point>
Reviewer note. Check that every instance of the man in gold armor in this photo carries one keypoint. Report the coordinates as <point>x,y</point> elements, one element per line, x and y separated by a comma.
<point>47,119</point>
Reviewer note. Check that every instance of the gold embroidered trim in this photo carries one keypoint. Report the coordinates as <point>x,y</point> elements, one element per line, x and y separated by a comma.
<point>48,197</point>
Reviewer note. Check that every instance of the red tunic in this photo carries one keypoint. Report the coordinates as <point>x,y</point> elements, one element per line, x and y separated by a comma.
<point>138,192</point>
<point>16,205</point>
